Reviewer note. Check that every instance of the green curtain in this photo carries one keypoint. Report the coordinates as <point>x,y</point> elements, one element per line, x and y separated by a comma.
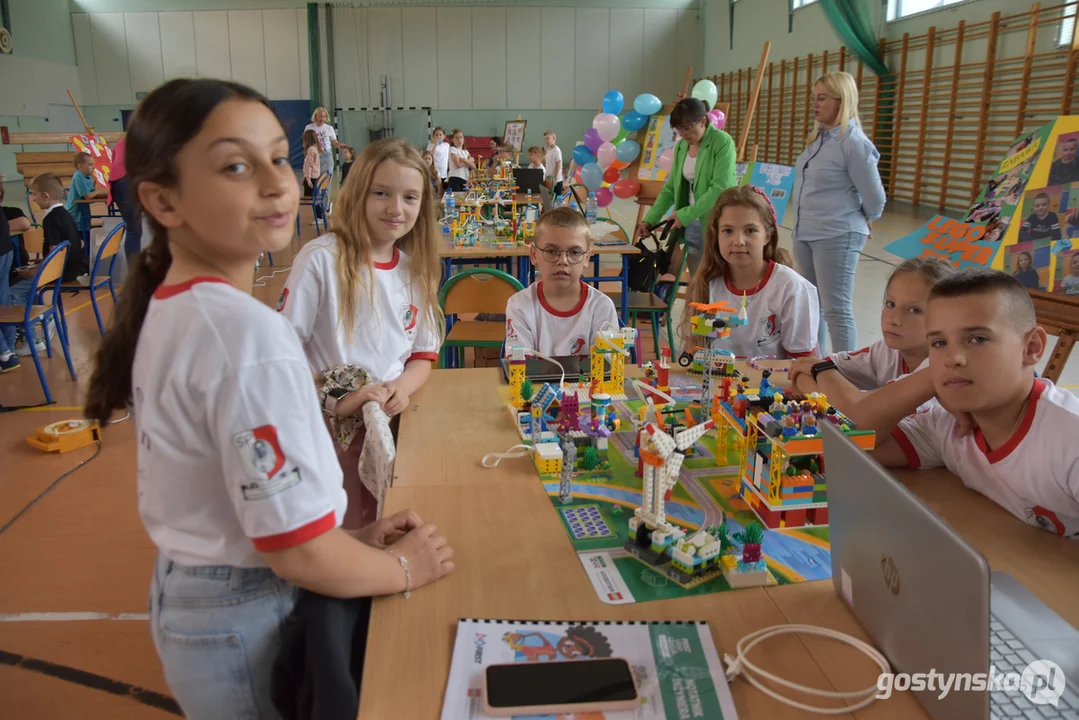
<point>851,21</point>
<point>313,59</point>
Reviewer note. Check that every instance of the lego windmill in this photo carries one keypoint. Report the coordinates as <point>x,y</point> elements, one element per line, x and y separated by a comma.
<point>663,456</point>
<point>714,321</point>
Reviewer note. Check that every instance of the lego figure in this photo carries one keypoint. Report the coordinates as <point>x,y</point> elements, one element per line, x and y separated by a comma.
<point>777,409</point>
<point>833,418</point>
<point>809,424</point>
<point>789,428</point>
<point>766,385</point>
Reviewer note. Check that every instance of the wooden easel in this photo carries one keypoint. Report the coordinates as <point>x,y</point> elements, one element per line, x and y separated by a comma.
<point>1058,315</point>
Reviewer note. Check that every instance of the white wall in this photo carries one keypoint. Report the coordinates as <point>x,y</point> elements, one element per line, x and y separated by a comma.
<point>484,57</point>
<point>123,55</point>
<point>758,20</point>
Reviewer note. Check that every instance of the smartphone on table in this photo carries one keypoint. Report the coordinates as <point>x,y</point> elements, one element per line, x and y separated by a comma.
<point>561,686</point>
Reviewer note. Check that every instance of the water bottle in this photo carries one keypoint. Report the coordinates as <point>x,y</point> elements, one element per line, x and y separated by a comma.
<point>451,207</point>
<point>592,209</point>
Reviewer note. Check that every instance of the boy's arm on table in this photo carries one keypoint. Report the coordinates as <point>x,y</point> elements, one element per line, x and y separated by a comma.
<point>889,452</point>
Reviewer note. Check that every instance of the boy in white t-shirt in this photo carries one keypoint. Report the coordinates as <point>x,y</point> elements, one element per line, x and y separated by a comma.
<point>553,160</point>
<point>559,315</point>
<point>983,345</point>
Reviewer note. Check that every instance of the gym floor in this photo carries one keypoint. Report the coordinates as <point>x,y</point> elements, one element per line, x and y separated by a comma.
<point>75,562</point>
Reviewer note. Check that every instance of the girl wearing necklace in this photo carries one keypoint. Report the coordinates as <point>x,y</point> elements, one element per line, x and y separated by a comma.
<point>742,260</point>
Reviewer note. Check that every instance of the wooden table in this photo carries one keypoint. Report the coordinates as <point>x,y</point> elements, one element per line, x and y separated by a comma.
<point>513,561</point>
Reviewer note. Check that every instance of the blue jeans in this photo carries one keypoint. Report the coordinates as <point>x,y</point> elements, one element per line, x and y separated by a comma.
<point>830,264</point>
<point>217,631</point>
<point>325,162</point>
<point>7,334</point>
<point>694,246</point>
<point>121,195</point>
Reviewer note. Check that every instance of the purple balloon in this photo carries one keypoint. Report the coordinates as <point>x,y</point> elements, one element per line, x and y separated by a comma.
<point>592,140</point>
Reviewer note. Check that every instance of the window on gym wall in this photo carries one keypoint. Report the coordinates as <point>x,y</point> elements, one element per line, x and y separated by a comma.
<point>1067,26</point>
<point>795,4</point>
<point>898,9</point>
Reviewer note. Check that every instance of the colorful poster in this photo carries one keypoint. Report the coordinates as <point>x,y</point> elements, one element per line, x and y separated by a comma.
<point>676,666</point>
<point>659,137</point>
<point>961,243</point>
<point>776,181</point>
<point>514,134</point>
<point>99,149</point>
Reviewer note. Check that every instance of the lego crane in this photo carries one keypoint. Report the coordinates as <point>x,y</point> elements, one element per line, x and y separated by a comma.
<point>663,456</point>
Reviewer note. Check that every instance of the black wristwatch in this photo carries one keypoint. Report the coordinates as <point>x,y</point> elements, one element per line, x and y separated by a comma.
<point>820,367</point>
<point>329,405</point>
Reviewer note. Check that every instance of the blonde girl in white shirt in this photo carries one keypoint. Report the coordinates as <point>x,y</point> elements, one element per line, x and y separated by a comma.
<point>461,163</point>
<point>238,485</point>
<point>366,294</point>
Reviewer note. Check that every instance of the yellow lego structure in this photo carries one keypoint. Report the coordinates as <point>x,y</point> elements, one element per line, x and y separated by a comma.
<point>65,436</point>
<point>548,458</point>
<point>517,377</point>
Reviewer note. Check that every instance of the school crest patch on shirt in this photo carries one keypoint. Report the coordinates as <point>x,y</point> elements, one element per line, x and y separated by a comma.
<point>263,460</point>
<point>408,316</point>
<point>282,300</point>
<point>576,346</point>
<point>768,333</point>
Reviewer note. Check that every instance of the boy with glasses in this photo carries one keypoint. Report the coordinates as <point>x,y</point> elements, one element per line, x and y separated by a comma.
<point>559,315</point>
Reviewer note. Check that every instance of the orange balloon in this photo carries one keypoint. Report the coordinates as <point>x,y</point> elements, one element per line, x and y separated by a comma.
<point>619,165</point>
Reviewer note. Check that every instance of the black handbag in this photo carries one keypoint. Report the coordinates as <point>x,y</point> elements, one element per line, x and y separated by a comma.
<point>650,264</point>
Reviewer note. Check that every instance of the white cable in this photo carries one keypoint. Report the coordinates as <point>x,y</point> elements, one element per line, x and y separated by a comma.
<point>120,420</point>
<point>499,457</point>
<point>562,382</point>
<point>740,665</point>
<point>640,385</point>
<point>258,281</point>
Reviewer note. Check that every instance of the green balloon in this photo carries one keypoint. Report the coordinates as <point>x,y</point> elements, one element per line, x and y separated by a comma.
<point>622,135</point>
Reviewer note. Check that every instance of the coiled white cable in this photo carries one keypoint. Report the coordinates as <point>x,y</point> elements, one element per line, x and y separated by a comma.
<point>499,457</point>
<point>740,665</point>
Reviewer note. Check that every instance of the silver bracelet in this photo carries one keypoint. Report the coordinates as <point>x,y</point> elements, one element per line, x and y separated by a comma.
<point>404,566</point>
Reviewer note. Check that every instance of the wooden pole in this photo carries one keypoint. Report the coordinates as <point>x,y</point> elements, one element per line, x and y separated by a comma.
<point>898,116</point>
<point>738,104</point>
<point>843,59</point>
<point>927,79</point>
<point>794,105</point>
<point>753,98</point>
<point>807,100</point>
<point>779,110</point>
<point>876,101</point>
<point>1028,63</point>
<point>950,133</point>
<point>768,117</point>
<point>987,96</point>
<point>53,138</point>
<point>89,128</point>
<point>824,62</point>
<point>1069,74</point>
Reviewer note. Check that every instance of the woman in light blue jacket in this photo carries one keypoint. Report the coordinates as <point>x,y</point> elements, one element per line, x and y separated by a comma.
<point>837,193</point>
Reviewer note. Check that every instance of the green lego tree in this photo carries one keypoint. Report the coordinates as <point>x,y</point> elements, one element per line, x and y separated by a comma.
<point>751,539</point>
<point>526,390</point>
<point>590,459</point>
<point>722,535</point>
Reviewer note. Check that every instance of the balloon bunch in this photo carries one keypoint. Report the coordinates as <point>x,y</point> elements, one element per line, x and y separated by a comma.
<point>606,151</point>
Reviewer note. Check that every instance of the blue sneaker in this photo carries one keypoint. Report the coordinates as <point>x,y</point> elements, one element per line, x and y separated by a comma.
<point>12,363</point>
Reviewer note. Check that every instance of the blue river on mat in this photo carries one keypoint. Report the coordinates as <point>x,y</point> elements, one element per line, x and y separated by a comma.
<point>808,560</point>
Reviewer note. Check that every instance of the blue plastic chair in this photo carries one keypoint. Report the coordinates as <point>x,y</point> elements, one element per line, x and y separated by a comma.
<point>48,278</point>
<point>99,277</point>
<point>319,202</point>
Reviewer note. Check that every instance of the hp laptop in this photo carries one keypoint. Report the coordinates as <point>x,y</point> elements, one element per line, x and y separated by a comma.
<point>928,599</point>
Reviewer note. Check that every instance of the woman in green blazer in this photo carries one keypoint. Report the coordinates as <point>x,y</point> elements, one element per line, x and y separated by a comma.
<point>703,167</point>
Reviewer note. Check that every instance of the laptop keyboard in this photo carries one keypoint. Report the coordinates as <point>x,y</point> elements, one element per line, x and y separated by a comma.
<point>1008,654</point>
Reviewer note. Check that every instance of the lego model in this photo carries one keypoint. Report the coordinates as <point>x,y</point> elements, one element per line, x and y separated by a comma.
<point>781,453</point>
<point>569,461</point>
<point>65,436</point>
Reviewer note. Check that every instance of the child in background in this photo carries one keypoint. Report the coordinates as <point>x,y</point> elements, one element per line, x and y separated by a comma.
<point>348,156</point>
<point>868,384</point>
<point>1070,283</point>
<point>743,263</point>
<point>429,162</point>
<point>312,150</point>
<point>1042,224</point>
<point>83,187</point>
<point>1025,273</point>
<point>553,160</point>
<point>238,485</point>
<point>366,294</point>
<point>495,144</point>
<point>461,163</point>
<point>559,315</point>
<point>984,343</point>
<point>535,158</point>
<point>12,222</point>
<point>440,151</point>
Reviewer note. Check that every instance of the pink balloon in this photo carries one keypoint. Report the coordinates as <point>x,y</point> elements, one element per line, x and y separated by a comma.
<point>606,155</point>
<point>607,126</point>
<point>718,118</point>
<point>666,160</point>
<point>626,188</point>
<point>604,197</point>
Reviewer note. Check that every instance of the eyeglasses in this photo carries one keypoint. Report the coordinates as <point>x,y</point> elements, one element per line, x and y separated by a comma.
<point>574,256</point>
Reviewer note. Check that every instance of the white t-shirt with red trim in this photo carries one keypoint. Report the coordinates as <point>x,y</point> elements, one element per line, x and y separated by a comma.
<point>233,456</point>
<point>872,367</point>
<point>532,323</point>
<point>1035,475</point>
<point>783,315</point>
<point>389,330</point>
